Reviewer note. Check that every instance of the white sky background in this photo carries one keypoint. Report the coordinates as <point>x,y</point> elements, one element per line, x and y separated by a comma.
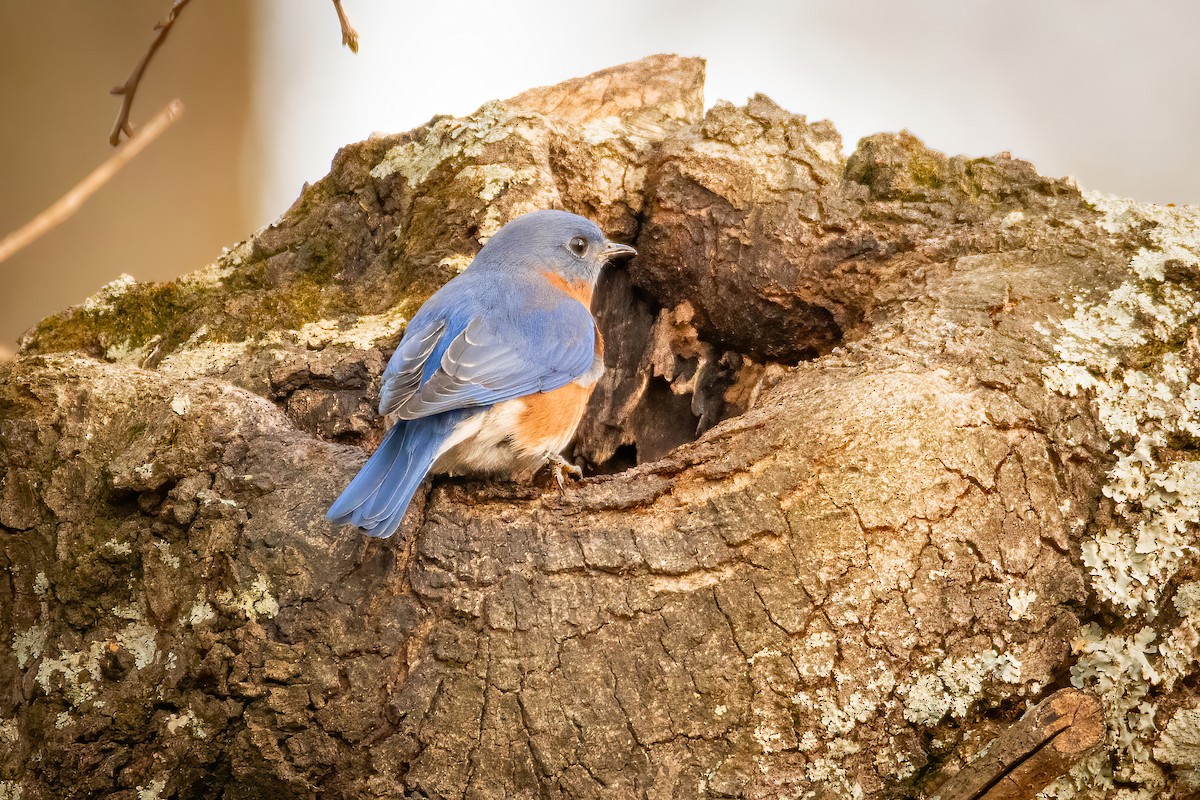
<point>1107,91</point>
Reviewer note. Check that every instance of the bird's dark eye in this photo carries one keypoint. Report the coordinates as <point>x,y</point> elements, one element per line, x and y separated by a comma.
<point>578,246</point>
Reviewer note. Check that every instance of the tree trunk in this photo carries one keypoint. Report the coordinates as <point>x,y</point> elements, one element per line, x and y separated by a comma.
<point>889,449</point>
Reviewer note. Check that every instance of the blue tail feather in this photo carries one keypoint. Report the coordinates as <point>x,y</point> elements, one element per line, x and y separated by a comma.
<point>380,493</point>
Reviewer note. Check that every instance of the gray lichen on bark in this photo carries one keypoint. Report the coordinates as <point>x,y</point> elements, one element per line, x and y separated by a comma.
<point>858,504</point>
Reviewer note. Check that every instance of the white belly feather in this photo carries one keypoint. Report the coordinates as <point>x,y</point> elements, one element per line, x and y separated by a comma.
<point>500,440</point>
<point>482,442</point>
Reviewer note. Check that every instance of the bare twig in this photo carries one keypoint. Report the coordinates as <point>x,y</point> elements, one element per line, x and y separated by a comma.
<point>349,35</point>
<point>1039,747</point>
<point>70,202</point>
<point>130,87</point>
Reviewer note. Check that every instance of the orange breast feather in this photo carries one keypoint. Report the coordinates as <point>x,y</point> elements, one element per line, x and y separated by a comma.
<point>551,417</point>
<point>580,290</point>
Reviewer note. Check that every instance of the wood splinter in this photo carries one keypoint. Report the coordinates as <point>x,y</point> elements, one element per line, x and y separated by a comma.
<point>1044,744</point>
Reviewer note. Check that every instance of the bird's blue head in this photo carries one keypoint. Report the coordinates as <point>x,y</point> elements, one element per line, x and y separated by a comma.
<point>570,246</point>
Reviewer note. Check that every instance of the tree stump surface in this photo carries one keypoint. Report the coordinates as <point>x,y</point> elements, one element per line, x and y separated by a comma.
<point>890,448</point>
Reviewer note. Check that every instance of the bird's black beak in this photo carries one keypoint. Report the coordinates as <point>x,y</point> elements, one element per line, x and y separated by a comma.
<point>613,250</point>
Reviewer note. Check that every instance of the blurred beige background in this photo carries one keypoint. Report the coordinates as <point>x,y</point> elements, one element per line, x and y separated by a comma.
<point>1103,90</point>
<point>173,207</point>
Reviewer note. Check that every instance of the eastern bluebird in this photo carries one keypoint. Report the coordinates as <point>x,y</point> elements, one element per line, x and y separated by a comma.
<point>494,370</point>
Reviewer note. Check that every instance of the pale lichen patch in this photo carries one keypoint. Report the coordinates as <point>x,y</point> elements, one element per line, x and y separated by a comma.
<point>365,332</point>
<point>768,738</point>
<point>125,548</point>
<point>1187,600</point>
<point>127,612</point>
<point>164,552</point>
<point>78,670</point>
<point>153,791</point>
<point>138,638</point>
<point>447,138</point>
<point>816,655</point>
<point>836,719</point>
<point>180,404</point>
<point>200,612</point>
<point>28,645</point>
<point>215,275</point>
<point>955,686</point>
<point>1122,670</point>
<point>1012,219</point>
<point>1157,504</point>
<point>1124,349</point>
<point>926,700</point>
<point>1019,603</point>
<point>490,181</point>
<point>1090,776</point>
<point>829,771</point>
<point>188,719</point>
<point>102,301</point>
<point>72,667</point>
<point>255,601</point>
<point>457,262</point>
<point>1179,745</point>
<point>198,356</point>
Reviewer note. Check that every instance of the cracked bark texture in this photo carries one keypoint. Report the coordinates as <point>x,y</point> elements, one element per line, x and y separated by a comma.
<point>832,548</point>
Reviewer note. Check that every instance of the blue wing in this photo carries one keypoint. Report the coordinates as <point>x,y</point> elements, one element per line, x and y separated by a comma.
<point>479,348</point>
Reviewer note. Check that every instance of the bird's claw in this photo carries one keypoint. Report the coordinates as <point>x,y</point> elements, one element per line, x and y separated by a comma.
<point>560,468</point>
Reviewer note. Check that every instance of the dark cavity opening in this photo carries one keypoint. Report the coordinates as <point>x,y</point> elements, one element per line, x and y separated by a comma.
<point>664,385</point>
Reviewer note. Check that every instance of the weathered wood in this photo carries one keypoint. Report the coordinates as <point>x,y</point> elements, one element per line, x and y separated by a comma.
<point>1042,745</point>
<point>662,86</point>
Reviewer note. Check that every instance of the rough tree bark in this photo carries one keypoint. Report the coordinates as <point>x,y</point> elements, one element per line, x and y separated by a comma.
<point>890,449</point>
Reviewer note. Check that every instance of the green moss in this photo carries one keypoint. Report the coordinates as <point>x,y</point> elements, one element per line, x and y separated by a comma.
<point>248,277</point>
<point>898,167</point>
<point>132,319</point>
<point>242,308</point>
<point>926,171</point>
<point>57,333</point>
<point>320,261</point>
<point>974,174</point>
<point>302,302</point>
<point>246,315</point>
<point>289,275</point>
<point>867,173</point>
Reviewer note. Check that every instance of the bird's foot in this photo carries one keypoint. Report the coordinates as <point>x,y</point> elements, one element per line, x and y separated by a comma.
<point>560,468</point>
